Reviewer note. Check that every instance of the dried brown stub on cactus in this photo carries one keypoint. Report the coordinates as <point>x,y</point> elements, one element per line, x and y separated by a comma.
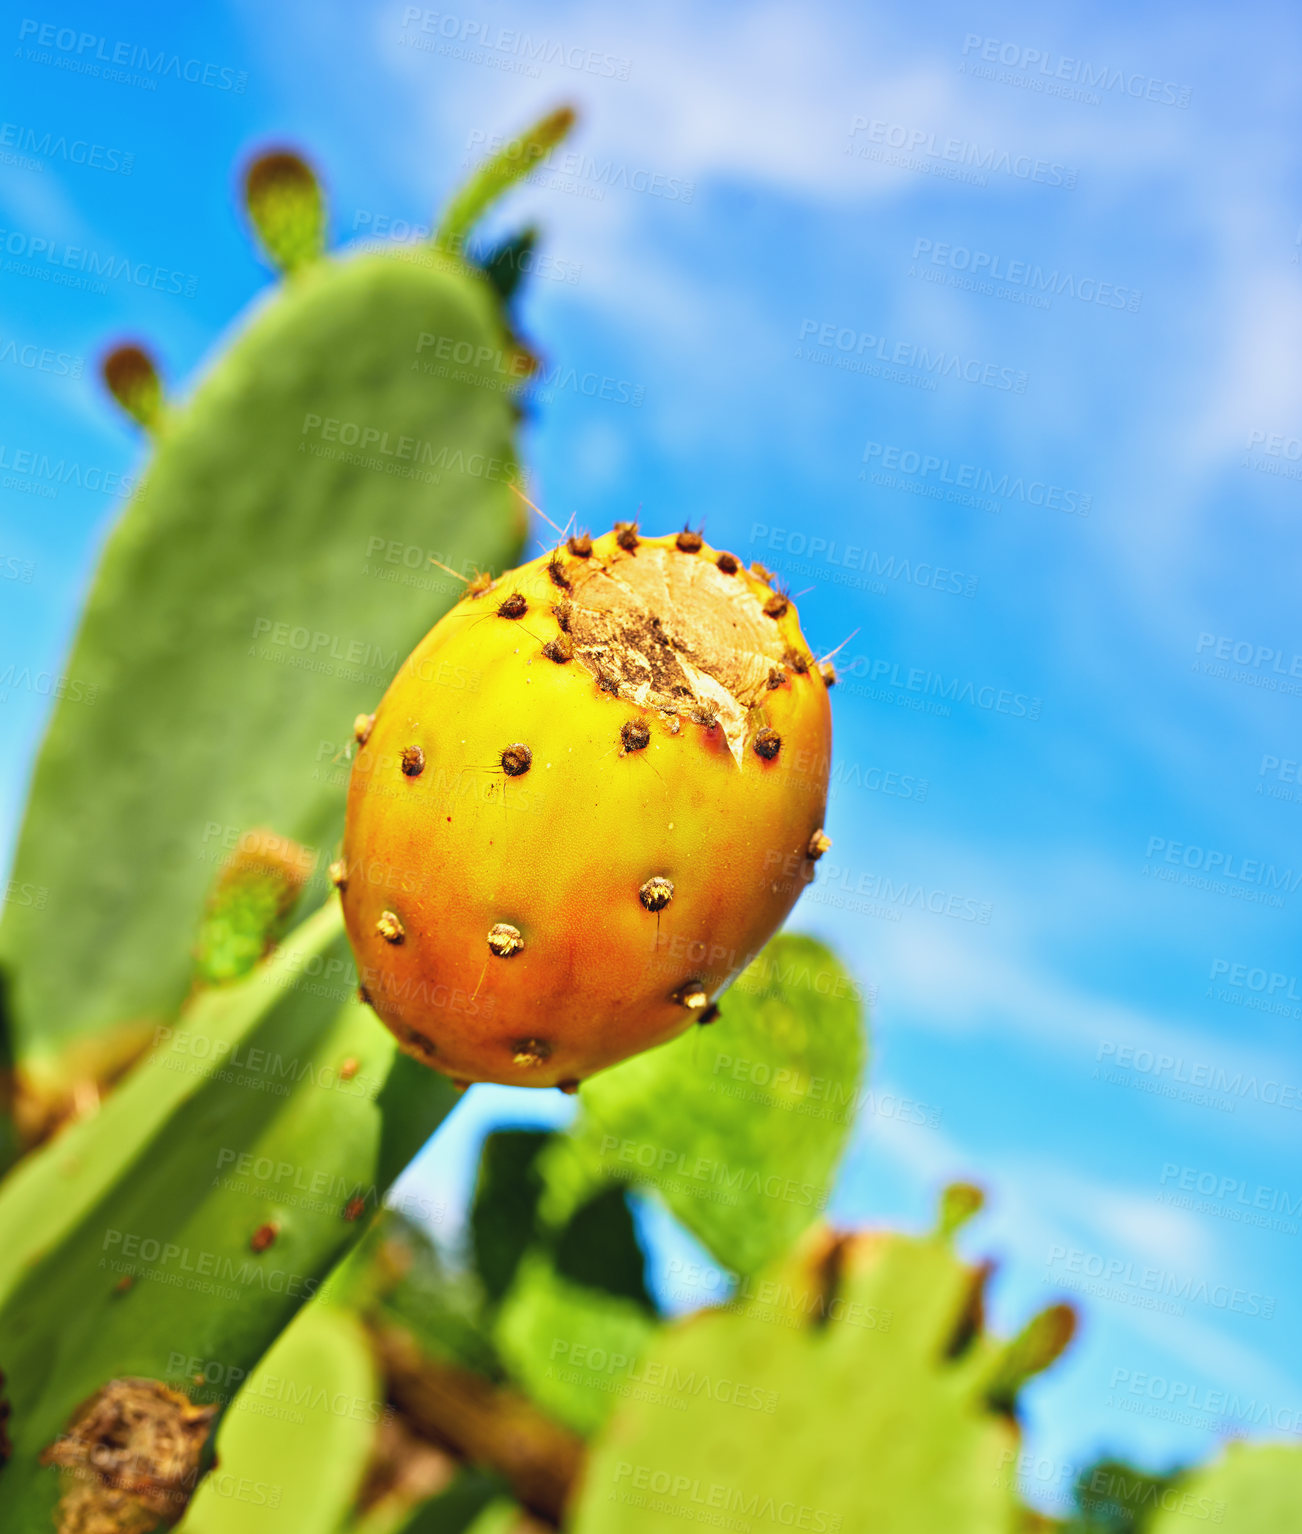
<point>650,784</point>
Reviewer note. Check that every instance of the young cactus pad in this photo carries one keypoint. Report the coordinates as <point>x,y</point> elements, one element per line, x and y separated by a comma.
<point>588,798</point>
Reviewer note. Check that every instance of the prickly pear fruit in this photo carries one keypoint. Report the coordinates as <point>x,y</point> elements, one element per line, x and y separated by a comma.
<point>588,798</point>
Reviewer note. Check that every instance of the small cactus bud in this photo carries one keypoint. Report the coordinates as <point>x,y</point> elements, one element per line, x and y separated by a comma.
<point>390,928</point>
<point>339,874</point>
<point>580,545</point>
<point>728,563</point>
<point>514,606</point>
<point>828,672</point>
<point>288,211</point>
<point>819,843</point>
<point>626,536</point>
<point>413,761</point>
<point>556,571</point>
<point>362,727</point>
<point>776,605</point>
<point>505,940</point>
<point>689,542</point>
<point>132,380</point>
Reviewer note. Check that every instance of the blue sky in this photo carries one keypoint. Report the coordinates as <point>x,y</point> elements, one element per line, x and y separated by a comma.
<point>1004,310</point>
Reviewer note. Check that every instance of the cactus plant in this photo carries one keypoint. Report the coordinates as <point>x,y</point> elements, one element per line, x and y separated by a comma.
<point>195,1213</point>
<point>567,862</point>
<point>853,1388</point>
<point>231,630</point>
<point>1250,1489</point>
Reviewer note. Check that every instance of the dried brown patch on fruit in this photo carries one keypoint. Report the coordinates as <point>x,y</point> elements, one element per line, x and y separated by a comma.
<point>505,940</point>
<point>798,663</point>
<point>656,893</point>
<point>530,1053</point>
<point>561,612</point>
<point>413,761</point>
<point>516,760</point>
<point>556,571</point>
<point>390,928</point>
<point>130,1458</point>
<point>767,744</point>
<point>559,649</point>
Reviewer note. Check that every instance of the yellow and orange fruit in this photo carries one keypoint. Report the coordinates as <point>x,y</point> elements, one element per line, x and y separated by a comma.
<point>589,797</point>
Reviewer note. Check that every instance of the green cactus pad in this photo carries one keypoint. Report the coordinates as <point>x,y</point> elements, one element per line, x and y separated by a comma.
<point>264,582</point>
<point>1251,1489</point>
<point>206,1201</point>
<point>738,1126</point>
<point>844,1390</point>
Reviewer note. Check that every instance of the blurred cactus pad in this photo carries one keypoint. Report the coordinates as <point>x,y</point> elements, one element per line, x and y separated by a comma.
<point>245,610</point>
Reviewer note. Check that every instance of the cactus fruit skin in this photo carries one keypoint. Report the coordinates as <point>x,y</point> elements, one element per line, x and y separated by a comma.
<point>623,753</point>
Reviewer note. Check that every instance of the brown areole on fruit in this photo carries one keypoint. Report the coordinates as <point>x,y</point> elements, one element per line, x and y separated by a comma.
<point>571,823</point>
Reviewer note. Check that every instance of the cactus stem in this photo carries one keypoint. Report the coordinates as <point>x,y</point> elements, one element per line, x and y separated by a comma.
<point>390,928</point>
<point>656,893</point>
<point>776,677</point>
<point>516,760</point>
<point>505,940</point>
<point>413,761</point>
